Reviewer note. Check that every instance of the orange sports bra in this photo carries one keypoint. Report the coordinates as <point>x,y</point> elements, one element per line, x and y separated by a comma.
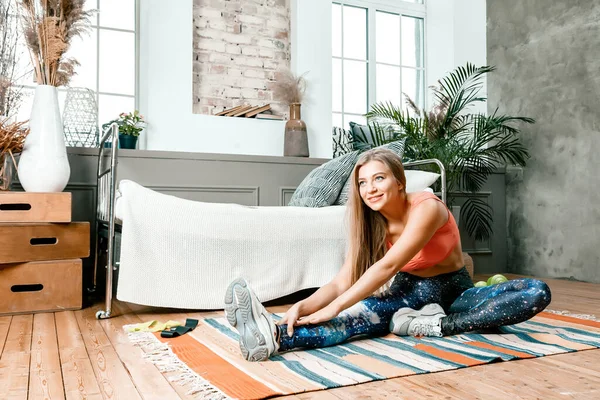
<point>441,244</point>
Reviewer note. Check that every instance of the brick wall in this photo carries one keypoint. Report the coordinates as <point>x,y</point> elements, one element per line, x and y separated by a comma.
<point>238,47</point>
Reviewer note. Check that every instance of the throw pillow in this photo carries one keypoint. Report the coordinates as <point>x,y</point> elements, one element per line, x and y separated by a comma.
<point>418,181</point>
<point>342,141</point>
<point>363,136</point>
<point>397,147</point>
<point>322,186</point>
<point>365,133</point>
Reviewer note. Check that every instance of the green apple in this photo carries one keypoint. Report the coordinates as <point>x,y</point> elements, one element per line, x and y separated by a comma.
<point>498,278</point>
<point>481,284</point>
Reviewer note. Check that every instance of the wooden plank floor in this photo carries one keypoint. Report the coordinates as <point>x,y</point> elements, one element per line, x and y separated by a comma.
<point>71,355</point>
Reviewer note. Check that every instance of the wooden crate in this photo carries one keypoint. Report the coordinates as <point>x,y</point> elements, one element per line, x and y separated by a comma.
<point>38,242</point>
<point>35,207</point>
<point>40,286</point>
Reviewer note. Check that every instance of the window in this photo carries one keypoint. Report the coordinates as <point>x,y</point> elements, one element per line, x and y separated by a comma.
<point>378,52</point>
<point>107,57</point>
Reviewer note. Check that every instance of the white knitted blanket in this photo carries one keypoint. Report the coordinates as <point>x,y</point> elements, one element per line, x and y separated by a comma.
<point>182,253</point>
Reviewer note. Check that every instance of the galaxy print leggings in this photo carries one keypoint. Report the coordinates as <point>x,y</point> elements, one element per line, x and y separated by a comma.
<point>468,308</point>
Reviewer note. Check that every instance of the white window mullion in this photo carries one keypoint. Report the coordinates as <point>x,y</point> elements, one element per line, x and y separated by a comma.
<point>371,57</point>
<point>137,55</point>
<point>425,94</point>
<point>401,105</point>
<point>97,88</point>
<point>396,6</point>
<point>342,63</point>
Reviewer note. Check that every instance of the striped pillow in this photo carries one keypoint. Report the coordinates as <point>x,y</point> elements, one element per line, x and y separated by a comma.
<point>322,186</point>
<point>397,147</point>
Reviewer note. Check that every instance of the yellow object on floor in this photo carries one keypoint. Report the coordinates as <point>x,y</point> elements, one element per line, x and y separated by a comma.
<point>153,326</point>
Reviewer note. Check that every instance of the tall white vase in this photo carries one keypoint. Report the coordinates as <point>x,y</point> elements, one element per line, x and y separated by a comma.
<point>44,166</point>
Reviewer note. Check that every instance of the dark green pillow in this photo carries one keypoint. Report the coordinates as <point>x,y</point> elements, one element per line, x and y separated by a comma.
<point>365,137</point>
<point>322,185</point>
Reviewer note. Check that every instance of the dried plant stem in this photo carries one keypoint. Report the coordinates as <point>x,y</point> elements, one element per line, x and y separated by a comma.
<point>12,137</point>
<point>289,88</point>
<point>49,26</point>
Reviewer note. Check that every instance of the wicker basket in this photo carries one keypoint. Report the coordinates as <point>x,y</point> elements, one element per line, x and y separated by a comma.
<point>469,264</point>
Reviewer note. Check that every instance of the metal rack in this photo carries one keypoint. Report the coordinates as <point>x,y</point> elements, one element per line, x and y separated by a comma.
<point>105,209</point>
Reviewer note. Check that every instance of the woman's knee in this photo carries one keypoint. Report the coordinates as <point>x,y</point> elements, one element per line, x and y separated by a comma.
<point>540,291</point>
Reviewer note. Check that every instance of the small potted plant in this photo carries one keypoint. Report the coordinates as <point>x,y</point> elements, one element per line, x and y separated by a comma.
<point>130,127</point>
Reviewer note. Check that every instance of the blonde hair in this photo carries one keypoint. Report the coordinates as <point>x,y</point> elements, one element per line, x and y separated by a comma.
<point>368,228</point>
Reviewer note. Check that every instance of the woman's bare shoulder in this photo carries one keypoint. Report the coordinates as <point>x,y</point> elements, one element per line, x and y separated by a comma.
<point>426,203</point>
<point>419,197</point>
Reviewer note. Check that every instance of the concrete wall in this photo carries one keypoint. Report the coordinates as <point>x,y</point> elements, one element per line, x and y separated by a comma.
<point>546,52</point>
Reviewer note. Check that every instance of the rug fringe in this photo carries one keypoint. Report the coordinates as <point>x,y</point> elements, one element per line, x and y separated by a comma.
<point>165,360</point>
<point>566,313</point>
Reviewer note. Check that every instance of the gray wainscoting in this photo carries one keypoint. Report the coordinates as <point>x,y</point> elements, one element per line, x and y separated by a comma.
<point>241,179</point>
<point>489,256</point>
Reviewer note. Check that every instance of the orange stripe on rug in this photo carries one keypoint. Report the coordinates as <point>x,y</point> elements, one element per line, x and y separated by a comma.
<point>272,374</point>
<point>214,369</point>
<point>448,355</point>
<point>499,349</point>
<point>586,322</point>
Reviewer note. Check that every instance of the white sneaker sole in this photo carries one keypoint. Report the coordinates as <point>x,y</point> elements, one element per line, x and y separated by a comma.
<point>428,310</point>
<point>249,319</point>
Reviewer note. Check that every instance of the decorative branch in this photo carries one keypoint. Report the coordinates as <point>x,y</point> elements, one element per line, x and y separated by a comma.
<point>12,139</point>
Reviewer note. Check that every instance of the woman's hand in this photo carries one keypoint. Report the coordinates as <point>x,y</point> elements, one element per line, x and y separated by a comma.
<point>291,317</point>
<point>323,315</point>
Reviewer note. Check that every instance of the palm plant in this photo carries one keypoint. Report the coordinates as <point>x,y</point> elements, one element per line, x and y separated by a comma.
<point>470,145</point>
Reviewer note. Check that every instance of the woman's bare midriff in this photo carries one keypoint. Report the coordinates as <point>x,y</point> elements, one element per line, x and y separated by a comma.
<point>452,263</point>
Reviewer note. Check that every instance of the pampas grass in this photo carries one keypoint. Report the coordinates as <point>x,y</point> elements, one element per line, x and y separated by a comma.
<point>289,88</point>
<point>49,26</point>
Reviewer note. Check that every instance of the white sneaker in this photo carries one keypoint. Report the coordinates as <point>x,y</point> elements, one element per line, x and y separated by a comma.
<point>423,322</point>
<point>258,332</point>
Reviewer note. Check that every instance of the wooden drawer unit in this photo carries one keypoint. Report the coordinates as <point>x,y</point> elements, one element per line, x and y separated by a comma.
<point>35,207</point>
<point>40,286</point>
<point>21,242</point>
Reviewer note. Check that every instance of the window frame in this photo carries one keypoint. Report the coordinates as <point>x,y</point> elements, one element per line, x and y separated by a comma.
<point>402,8</point>
<point>95,25</point>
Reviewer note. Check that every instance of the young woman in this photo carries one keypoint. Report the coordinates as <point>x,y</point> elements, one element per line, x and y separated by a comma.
<point>410,238</point>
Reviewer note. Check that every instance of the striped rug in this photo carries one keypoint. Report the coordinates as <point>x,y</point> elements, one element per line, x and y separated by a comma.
<point>208,360</point>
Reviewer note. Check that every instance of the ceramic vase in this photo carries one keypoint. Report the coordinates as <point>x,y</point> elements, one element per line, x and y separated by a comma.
<point>44,166</point>
<point>296,138</point>
<point>6,171</point>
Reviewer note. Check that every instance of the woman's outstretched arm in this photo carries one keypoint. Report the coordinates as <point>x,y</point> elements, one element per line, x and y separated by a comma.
<point>319,299</point>
<point>422,224</point>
